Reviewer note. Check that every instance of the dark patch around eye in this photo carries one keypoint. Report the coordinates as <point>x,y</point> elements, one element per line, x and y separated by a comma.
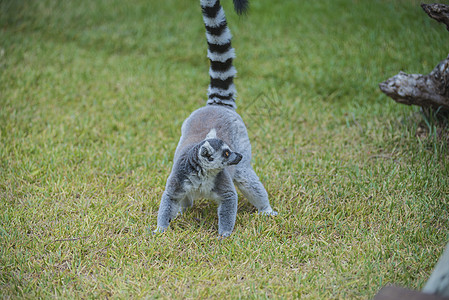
<point>226,153</point>
<point>206,154</point>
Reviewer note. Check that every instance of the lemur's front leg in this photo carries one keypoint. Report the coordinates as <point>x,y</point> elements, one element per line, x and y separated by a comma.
<point>227,213</point>
<point>227,207</point>
<point>168,209</point>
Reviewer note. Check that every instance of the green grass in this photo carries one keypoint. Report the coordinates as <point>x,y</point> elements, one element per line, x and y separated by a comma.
<point>92,97</point>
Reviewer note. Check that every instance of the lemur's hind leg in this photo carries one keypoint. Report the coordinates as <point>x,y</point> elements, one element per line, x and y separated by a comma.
<point>249,184</point>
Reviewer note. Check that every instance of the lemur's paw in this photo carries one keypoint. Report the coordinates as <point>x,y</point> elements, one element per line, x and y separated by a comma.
<point>159,230</point>
<point>268,212</point>
<point>224,234</point>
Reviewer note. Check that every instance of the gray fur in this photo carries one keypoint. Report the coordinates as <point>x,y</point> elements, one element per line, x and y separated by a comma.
<point>214,151</point>
<point>192,177</point>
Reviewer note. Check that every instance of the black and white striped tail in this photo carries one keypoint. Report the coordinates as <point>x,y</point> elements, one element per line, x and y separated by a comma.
<point>221,89</point>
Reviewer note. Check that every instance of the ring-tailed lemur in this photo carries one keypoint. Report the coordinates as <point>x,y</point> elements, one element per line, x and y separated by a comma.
<point>214,150</point>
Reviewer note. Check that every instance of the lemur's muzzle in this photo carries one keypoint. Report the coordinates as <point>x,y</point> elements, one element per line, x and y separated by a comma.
<point>235,158</point>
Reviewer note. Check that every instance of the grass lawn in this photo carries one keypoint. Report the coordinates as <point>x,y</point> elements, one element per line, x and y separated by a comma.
<point>92,98</point>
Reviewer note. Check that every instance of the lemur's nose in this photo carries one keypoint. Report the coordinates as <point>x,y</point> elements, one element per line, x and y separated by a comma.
<point>237,159</point>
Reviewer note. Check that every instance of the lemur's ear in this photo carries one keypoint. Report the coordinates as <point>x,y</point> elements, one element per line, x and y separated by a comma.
<point>212,134</point>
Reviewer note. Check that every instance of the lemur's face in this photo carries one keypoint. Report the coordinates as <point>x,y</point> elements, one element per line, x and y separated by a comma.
<point>215,154</point>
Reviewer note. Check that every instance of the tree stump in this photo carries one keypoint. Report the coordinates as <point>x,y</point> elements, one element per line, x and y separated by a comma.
<point>427,91</point>
<point>439,12</point>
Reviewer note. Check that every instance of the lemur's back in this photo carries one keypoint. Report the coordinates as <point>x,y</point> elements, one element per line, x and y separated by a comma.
<point>227,124</point>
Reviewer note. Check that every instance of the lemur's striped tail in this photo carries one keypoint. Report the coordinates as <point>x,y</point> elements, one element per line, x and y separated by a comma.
<point>220,52</point>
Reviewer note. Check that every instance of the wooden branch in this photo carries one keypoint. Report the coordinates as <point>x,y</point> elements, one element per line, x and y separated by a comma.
<point>427,91</point>
<point>430,90</point>
<point>439,12</point>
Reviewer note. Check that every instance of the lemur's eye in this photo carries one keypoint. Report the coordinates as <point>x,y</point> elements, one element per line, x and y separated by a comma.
<point>226,154</point>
